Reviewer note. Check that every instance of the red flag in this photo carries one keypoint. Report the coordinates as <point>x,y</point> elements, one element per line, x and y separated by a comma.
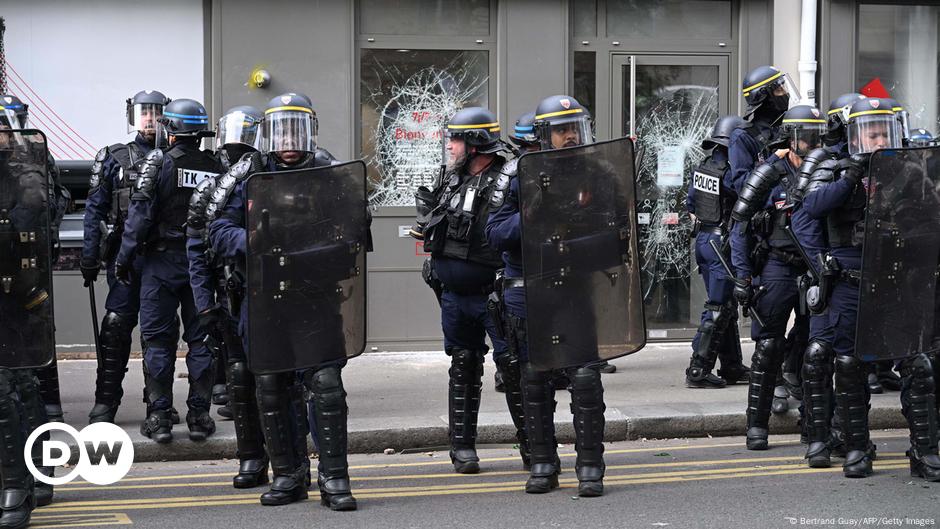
<point>874,88</point>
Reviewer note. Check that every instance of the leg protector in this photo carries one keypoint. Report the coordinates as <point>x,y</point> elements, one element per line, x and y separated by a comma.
<point>587,406</point>
<point>49,390</point>
<point>34,414</point>
<point>508,367</point>
<point>539,405</point>
<point>115,344</point>
<point>466,383</point>
<point>249,439</point>
<point>332,414</point>
<point>818,400</point>
<point>765,364</point>
<point>17,499</point>
<point>711,338</point>
<point>918,399</point>
<point>280,435</point>
<point>852,399</point>
<point>732,367</point>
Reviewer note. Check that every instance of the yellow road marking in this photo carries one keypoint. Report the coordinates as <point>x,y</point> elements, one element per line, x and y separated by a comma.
<point>391,492</point>
<point>50,521</point>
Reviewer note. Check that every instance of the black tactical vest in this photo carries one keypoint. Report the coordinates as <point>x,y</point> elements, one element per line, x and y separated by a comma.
<point>783,207</point>
<point>467,204</point>
<point>190,167</point>
<point>711,206</point>
<point>131,159</point>
<point>845,226</point>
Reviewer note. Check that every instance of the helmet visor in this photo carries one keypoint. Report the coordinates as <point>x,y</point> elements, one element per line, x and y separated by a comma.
<point>143,117</point>
<point>238,127</point>
<point>867,134</point>
<point>567,132</point>
<point>806,137</point>
<point>290,130</point>
<point>10,119</point>
<point>793,91</point>
<point>904,120</point>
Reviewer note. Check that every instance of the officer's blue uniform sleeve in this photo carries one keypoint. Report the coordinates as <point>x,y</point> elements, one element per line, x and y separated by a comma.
<point>200,274</point>
<point>503,228</point>
<point>97,208</point>
<point>822,198</point>
<point>227,233</point>
<point>742,156</point>
<point>141,215</point>
<point>742,243</point>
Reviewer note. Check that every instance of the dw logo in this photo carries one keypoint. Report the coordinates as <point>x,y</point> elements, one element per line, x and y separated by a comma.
<point>105,452</point>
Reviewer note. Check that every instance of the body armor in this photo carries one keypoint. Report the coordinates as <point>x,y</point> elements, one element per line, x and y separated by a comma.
<point>131,159</point>
<point>712,207</point>
<point>191,166</point>
<point>844,226</point>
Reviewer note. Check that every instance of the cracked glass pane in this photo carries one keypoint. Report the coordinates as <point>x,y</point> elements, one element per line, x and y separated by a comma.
<point>405,98</point>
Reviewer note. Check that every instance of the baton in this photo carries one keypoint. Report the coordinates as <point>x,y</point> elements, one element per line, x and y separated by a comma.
<point>94,320</point>
<point>760,291</point>
<point>802,252</point>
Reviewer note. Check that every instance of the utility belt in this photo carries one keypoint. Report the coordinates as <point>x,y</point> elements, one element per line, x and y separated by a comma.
<point>789,258</point>
<point>509,327</point>
<point>470,291</point>
<point>713,230</point>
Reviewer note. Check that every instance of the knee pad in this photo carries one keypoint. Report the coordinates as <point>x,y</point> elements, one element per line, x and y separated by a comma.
<point>509,367</point>
<point>584,378</point>
<point>327,387</point>
<point>7,383</point>
<point>116,329</point>
<point>818,353</point>
<point>767,354</point>
<point>587,392</point>
<point>466,366</point>
<point>241,382</point>
<point>271,390</point>
<point>918,374</point>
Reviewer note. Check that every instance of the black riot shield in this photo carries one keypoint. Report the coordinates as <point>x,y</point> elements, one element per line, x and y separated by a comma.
<point>27,335</point>
<point>306,291</point>
<point>579,252</point>
<point>901,254</point>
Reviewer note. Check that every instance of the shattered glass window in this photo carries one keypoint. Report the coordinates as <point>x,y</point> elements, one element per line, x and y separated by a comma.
<point>899,57</point>
<point>676,107</point>
<point>406,97</point>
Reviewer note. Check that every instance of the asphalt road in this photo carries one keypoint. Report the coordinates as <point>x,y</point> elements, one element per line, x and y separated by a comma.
<point>671,483</point>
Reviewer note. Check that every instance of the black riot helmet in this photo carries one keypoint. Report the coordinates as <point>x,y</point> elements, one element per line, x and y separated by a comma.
<point>721,132</point>
<point>13,112</point>
<point>922,138</point>
<point>241,125</point>
<point>523,133</point>
<point>872,125</point>
<point>769,91</point>
<point>565,118</point>
<point>804,126</point>
<point>838,115</point>
<point>478,128</point>
<point>144,110</point>
<point>902,116</point>
<point>186,118</point>
<point>290,124</point>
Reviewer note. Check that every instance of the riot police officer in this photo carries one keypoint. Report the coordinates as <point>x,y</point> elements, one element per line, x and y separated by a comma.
<point>154,232</point>
<point>289,143</point>
<point>710,199</point>
<point>28,209</point>
<point>466,266</point>
<point>238,134</point>
<point>560,121</point>
<point>922,138</point>
<point>837,195</point>
<point>113,176</point>
<point>766,258</point>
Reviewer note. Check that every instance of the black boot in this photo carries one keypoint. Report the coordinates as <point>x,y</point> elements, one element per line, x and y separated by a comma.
<point>818,402</point>
<point>249,439</point>
<point>49,390</point>
<point>158,425</point>
<point>115,345</point>
<point>466,383</point>
<point>874,386</point>
<point>508,367</point>
<point>17,499</point>
<point>329,397</point>
<point>587,406</point>
<point>711,338</point>
<point>539,404</point>
<point>34,414</point>
<point>888,379</point>
<point>765,363</point>
<point>918,390</point>
<point>852,402</point>
<point>279,423</point>
<point>200,423</point>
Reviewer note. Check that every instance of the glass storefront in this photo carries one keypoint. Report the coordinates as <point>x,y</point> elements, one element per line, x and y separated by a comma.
<point>898,51</point>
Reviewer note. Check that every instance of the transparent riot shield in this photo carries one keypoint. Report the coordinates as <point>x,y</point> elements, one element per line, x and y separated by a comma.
<point>306,290</point>
<point>579,250</point>
<point>27,334</point>
<point>900,256</point>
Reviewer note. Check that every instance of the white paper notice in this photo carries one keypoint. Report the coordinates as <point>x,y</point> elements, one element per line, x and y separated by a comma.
<point>670,164</point>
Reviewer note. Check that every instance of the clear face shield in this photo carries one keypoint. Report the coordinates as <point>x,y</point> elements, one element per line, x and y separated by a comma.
<point>238,128</point>
<point>565,133</point>
<point>904,120</point>
<point>144,118</point>
<point>10,119</point>
<point>289,131</point>
<point>454,151</point>
<point>806,137</point>
<point>785,83</point>
<point>867,134</point>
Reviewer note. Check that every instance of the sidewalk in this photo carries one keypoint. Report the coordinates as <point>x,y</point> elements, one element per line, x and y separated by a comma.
<point>399,401</point>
